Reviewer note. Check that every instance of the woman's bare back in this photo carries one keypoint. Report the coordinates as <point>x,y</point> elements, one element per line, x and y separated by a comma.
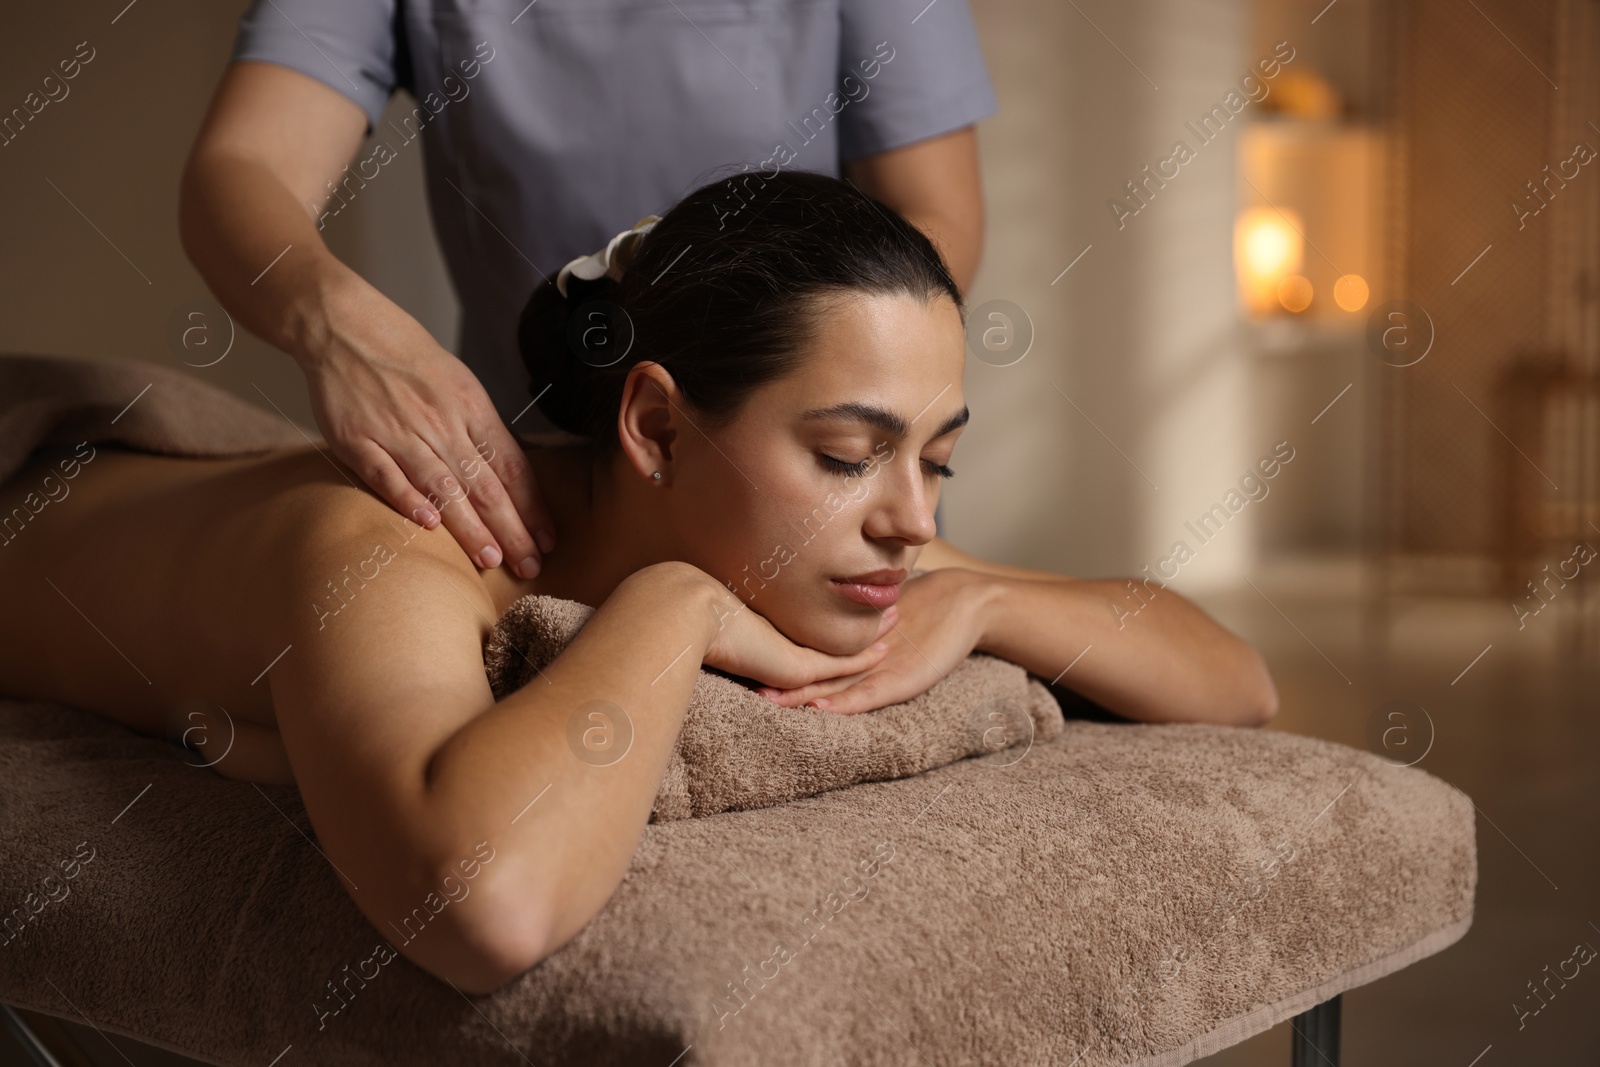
<point>157,590</point>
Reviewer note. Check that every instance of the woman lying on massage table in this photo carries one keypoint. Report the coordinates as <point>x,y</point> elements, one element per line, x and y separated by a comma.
<point>767,447</point>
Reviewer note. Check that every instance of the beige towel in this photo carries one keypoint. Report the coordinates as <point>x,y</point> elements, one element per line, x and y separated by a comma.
<point>737,749</point>
<point>57,400</point>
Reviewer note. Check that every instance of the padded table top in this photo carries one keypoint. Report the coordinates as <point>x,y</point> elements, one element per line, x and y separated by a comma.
<point>1126,893</point>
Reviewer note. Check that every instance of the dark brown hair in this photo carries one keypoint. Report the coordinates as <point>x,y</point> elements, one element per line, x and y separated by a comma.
<point>723,292</point>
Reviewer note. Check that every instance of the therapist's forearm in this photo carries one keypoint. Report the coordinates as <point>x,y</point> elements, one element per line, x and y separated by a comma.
<point>1167,662</point>
<point>938,186</point>
<point>959,241</point>
<point>261,253</point>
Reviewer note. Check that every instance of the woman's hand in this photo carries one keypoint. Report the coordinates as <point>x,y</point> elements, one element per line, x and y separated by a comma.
<point>941,622</point>
<point>746,644</point>
<point>415,423</point>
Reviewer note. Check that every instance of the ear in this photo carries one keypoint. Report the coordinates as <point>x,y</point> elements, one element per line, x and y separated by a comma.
<point>649,418</point>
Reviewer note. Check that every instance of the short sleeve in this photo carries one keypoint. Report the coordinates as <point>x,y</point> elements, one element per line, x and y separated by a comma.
<point>922,70</point>
<point>350,46</point>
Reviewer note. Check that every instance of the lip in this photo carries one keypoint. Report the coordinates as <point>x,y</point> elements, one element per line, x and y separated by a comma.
<point>876,589</point>
<point>878,577</point>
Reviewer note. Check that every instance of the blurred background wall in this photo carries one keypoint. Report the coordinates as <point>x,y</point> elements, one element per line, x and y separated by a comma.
<point>1149,393</point>
<point>100,169</point>
<point>1128,413</point>
<point>1135,384</point>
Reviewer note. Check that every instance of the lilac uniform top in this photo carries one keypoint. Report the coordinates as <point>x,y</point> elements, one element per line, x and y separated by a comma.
<point>547,127</point>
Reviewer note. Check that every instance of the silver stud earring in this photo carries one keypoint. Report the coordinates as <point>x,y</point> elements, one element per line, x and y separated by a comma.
<point>656,476</point>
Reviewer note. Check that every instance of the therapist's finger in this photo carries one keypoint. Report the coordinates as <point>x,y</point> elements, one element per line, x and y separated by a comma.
<point>384,477</point>
<point>510,464</point>
<point>445,492</point>
<point>493,505</point>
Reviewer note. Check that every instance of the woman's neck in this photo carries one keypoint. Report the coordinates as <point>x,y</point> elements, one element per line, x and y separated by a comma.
<point>605,526</point>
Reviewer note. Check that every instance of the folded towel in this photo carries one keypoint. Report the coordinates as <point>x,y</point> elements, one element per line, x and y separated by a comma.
<point>737,749</point>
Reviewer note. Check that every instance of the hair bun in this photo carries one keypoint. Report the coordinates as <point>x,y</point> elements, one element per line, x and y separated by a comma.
<point>571,344</point>
<point>599,333</point>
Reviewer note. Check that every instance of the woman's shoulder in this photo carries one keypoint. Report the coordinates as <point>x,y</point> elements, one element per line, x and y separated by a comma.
<point>338,556</point>
<point>350,517</point>
<point>319,515</point>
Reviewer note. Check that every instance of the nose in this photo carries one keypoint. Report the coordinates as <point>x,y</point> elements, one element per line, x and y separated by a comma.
<point>901,507</point>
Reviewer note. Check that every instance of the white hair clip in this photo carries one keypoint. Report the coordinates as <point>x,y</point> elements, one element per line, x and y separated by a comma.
<point>611,260</point>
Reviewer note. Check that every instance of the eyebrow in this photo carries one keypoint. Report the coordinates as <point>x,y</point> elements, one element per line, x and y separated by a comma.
<point>888,421</point>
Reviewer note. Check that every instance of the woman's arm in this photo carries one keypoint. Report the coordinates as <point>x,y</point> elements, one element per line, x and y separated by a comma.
<point>1149,655</point>
<point>428,796</point>
<point>426,793</point>
<point>1142,652</point>
<point>1137,648</point>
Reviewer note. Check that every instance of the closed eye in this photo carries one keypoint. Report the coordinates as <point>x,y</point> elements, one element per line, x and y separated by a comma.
<point>856,470</point>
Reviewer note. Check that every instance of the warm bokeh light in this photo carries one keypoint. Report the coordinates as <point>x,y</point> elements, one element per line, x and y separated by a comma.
<point>1271,246</point>
<point>1350,292</point>
<point>1267,247</point>
<point>1304,94</point>
<point>1294,293</point>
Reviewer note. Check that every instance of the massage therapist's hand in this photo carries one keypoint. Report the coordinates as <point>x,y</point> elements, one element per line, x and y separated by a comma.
<point>403,413</point>
<point>746,644</point>
<point>415,423</point>
<point>941,621</point>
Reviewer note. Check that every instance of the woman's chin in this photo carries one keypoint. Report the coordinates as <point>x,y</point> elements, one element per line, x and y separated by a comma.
<point>838,633</point>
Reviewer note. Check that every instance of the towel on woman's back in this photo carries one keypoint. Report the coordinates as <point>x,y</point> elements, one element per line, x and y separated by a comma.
<point>60,400</point>
<point>736,749</point>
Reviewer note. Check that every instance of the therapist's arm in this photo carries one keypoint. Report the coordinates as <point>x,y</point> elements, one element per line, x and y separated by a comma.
<point>935,184</point>
<point>404,413</point>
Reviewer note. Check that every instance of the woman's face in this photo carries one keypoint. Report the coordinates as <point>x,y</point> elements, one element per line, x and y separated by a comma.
<point>830,473</point>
